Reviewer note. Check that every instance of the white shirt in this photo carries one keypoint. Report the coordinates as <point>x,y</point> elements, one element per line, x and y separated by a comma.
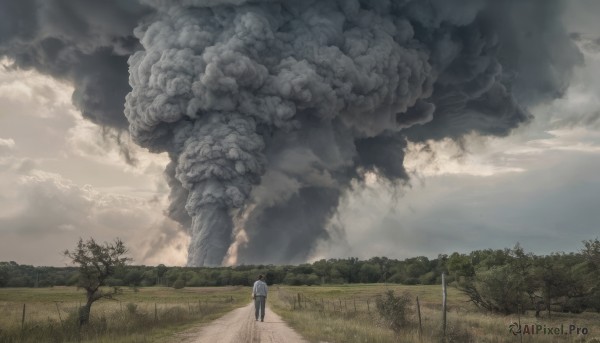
<point>259,289</point>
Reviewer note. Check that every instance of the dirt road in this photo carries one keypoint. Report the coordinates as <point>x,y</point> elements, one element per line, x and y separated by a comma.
<point>239,326</point>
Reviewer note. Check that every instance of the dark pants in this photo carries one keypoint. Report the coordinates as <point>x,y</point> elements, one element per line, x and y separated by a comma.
<point>259,306</point>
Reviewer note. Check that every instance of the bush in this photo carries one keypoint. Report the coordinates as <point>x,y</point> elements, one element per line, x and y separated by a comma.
<point>428,278</point>
<point>456,333</point>
<point>393,310</point>
<point>412,281</point>
<point>114,282</point>
<point>131,308</point>
<point>179,284</point>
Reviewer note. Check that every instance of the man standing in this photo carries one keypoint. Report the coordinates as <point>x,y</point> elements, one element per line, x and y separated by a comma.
<point>259,294</point>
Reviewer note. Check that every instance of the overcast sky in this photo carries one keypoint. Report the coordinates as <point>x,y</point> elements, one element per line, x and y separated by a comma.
<point>62,178</point>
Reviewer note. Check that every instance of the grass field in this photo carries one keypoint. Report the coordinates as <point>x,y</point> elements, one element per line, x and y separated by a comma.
<point>144,315</point>
<point>348,314</point>
<point>343,313</point>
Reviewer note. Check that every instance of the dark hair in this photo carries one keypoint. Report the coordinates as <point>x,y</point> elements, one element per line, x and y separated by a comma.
<point>260,277</point>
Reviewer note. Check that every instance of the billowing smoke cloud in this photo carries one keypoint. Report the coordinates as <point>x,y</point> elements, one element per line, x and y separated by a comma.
<point>86,42</point>
<point>269,109</point>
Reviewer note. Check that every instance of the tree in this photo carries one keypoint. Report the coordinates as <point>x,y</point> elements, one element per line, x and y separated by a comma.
<point>161,269</point>
<point>591,252</point>
<point>369,273</point>
<point>498,289</point>
<point>460,265</point>
<point>96,262</point>
<point>133,278</point>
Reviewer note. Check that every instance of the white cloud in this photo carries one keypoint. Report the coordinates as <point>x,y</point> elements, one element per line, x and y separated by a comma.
<point>8,143</point>
<point>6,146</point>
<point>52,212</point>
<point>89,141</point>
<point>483,157</point>
<point>49,97</point>
<point>68,179</point>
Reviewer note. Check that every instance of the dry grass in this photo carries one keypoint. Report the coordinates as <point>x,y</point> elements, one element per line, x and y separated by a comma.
<point>144,315</point>
<point>328,314</point>
<point>324,314</point>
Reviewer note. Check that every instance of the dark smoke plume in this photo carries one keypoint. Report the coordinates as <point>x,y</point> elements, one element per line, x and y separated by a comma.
<point>86,42</point>
<point>269,109</point>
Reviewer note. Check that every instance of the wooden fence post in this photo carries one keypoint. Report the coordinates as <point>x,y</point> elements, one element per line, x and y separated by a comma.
<point>520,308</point>
<point>299,301</point>
<point>354,299</point>
<point>368,307</point>
<point>444,294</point>
<point>59,316</point>
<point>420,325</point>
<point>23,318</point>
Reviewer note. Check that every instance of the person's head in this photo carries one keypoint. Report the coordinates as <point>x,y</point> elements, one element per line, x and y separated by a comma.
<point>260,277</point>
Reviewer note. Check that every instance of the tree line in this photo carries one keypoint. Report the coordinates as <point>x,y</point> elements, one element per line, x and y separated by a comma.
<point>497,280</point>
<point>512,281</point>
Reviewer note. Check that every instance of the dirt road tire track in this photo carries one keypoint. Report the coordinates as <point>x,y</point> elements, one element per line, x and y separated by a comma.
<point>239,326</point>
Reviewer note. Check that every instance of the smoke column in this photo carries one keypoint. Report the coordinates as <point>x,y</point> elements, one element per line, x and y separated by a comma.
<point>269,109</point>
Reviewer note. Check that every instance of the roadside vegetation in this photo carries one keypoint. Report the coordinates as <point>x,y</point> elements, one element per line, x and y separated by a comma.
<point>147,314</point>
<point>350,313</point>
<point>334,313</point>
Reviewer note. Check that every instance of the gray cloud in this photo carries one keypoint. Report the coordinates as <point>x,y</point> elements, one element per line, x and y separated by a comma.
<point>86,42</point>
<point>548,208</point>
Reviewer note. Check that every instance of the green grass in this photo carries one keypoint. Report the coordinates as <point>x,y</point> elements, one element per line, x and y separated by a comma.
<point>348,314</point>
<point>144,315</point>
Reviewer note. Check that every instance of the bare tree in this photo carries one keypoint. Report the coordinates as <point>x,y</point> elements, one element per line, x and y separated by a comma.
<point>97,262</point>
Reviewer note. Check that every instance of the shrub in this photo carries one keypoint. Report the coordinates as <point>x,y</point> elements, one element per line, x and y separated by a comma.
<point>131,308</point>
<point>412,281</point>
<point>179,284</point>
<point>393,310</point>
<point>456,333</point>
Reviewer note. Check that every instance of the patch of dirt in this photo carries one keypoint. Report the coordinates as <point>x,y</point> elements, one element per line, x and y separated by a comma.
<point>239,326</point>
